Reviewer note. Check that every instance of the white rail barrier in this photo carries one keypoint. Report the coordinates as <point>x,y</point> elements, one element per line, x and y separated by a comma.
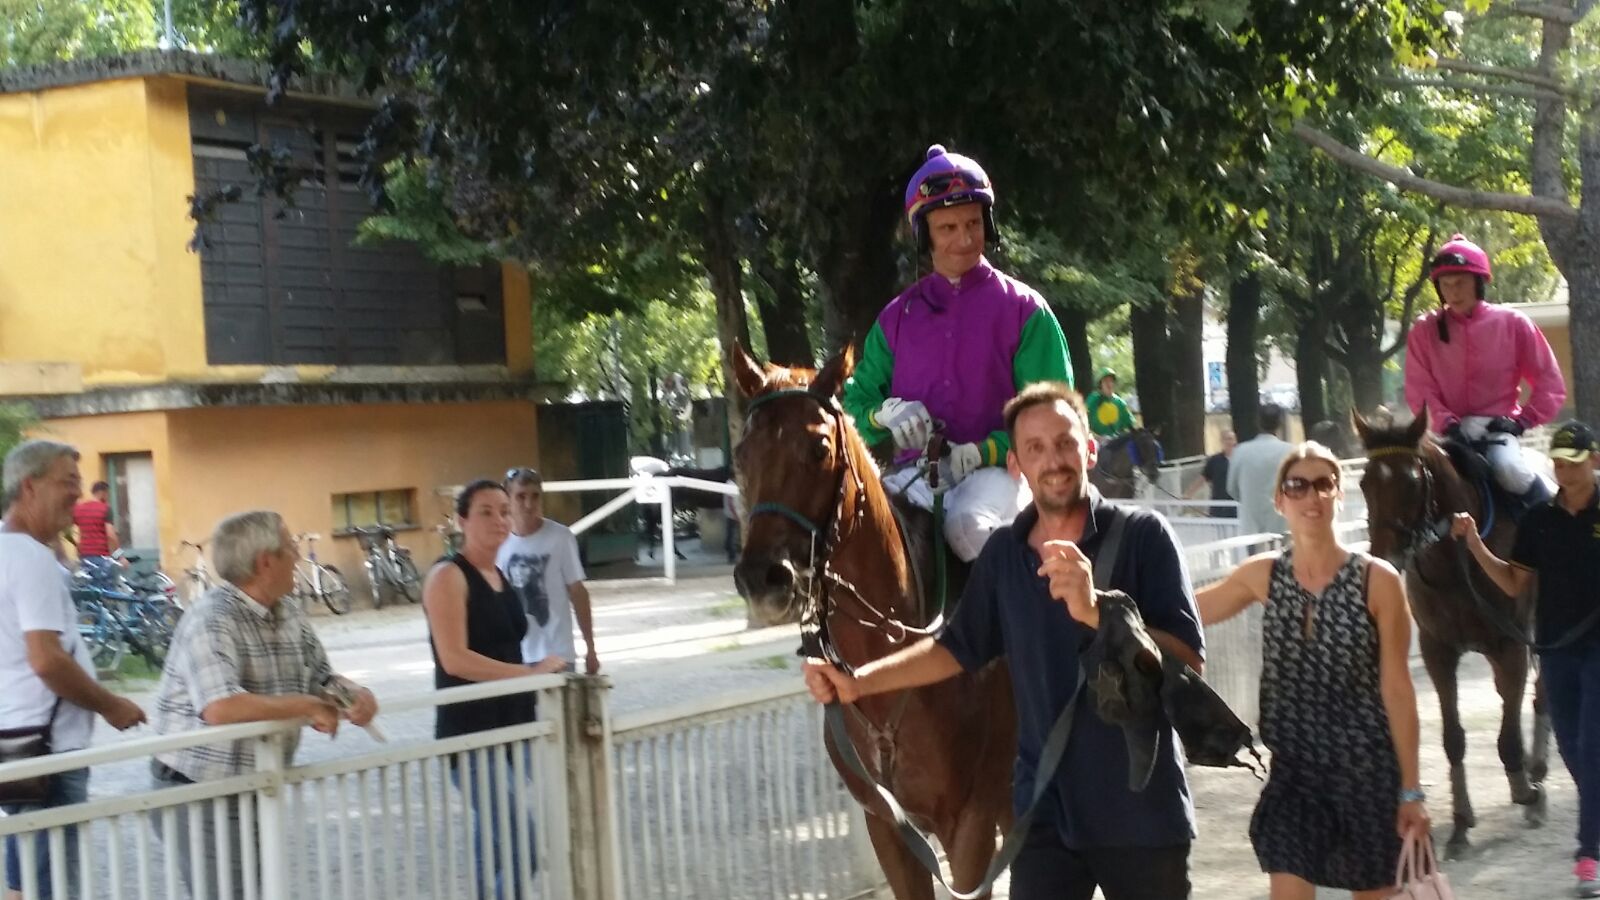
<point>387,824</point>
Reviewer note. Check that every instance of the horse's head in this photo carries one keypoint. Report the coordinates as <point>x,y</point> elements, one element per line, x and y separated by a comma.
<point>792,461</point>
<point>1398,485</point>
<point>1144,450</point>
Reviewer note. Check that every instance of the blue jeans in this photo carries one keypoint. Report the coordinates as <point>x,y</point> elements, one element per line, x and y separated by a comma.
<point>65,788</point>
<point>486,811</point>
<point>1572,686</point>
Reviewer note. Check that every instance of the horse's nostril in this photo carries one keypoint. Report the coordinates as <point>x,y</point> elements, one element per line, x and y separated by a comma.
<point>780,575</point>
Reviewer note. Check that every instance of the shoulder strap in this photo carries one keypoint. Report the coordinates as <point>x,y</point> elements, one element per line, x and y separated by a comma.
<point>1105,559</point>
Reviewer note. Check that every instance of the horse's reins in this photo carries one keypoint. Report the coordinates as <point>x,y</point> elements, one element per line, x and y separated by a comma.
<point>1427,533</point>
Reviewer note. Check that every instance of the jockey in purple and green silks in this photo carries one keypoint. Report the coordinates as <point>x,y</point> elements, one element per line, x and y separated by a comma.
<point>955,346</point>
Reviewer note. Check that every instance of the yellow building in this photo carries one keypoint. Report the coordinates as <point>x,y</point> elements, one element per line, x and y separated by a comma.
<point>280,365</point>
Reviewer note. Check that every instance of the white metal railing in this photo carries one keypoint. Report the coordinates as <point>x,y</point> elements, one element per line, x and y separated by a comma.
<point>385,824</point>
<point>735,798</point>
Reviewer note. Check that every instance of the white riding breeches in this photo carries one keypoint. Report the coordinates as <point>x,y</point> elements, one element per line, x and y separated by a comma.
<point>973,509</point>
<point>1513,467</point>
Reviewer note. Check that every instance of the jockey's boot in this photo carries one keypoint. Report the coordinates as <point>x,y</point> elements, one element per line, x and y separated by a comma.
<point>1537,493</point>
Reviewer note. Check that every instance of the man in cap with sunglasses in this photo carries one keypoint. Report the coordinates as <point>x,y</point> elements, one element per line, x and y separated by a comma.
<point>1558,545</point>
<point>953,348</point>
<point>1466,362</point>
<point>542,564</point>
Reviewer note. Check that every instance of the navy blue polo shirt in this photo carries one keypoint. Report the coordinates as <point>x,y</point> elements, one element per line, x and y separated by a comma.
<point>1007,610</point>
<point>1564,549</point>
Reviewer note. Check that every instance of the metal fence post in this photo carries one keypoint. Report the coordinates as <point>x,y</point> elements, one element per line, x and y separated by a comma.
<point>594,840</point>
<point>272,852</point>
<point>669,552</point>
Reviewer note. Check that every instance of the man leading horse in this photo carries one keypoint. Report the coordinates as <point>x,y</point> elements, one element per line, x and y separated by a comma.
<point>953,348</point>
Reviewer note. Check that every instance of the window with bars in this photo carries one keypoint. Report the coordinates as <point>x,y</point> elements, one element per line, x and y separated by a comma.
<point>395,508</point>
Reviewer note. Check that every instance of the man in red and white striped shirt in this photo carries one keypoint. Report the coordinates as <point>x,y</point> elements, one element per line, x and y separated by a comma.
<point>97,534</point>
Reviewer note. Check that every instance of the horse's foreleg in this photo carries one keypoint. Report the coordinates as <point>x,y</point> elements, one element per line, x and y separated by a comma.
<point>1539,754</point>
<point>1510,666</point>
<point>971,847</point>
<point>908,880</point>
<point>1441,660</point>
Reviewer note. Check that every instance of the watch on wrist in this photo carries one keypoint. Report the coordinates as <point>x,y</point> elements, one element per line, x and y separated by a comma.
<point>1412,795</point>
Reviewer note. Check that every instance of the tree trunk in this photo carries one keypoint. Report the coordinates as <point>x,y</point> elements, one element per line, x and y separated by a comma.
<point>720,256</point>
<point>1152,366</point>
<point>1366,381</point>
<point>1311,370</point>
<point>783,309</point>
<point>1075,323</point>
<point>1187,353</point>
<point>857,268</point>
<point>1583,280</point>
<point>1244,384</point>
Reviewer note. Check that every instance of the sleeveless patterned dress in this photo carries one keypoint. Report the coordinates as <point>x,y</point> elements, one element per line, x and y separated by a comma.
<point>1327,813</point>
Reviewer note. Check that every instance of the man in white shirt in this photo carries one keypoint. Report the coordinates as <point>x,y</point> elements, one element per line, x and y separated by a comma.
<point>47,676</point>
<point>1253,474</point>
<point>540,560</point>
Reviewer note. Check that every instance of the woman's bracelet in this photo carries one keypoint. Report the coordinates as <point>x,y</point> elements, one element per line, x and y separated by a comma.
<point>1412,795</point>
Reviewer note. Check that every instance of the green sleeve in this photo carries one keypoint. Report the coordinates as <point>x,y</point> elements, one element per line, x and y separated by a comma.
<point>1041,356</point>
<point>1125,419</point>
<point>868,385</point>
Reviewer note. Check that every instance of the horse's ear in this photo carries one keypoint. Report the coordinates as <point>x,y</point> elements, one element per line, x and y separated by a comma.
<point>747,372</point>
<point>1359,423</point>
<point>833,375</point>
<point>1418,426</point>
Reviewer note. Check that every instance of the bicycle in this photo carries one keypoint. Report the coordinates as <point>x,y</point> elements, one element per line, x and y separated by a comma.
<point>197,578</point>
<point>139,625</point>
<point>388,564</point>
<point>315,581</point>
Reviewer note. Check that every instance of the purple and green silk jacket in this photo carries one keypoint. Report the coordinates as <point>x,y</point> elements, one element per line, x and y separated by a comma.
<point>963,351</point>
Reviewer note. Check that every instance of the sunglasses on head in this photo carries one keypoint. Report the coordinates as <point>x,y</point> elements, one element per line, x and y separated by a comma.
<point>519,473</point>
<point>1449,259</point>
<point>1295,488</point>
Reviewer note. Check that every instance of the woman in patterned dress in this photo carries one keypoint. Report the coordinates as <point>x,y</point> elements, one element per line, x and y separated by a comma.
<point>1338,710</point>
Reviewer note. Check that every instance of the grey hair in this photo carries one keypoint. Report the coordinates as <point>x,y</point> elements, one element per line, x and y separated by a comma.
<point>31,459</point>
<point>240,538</point>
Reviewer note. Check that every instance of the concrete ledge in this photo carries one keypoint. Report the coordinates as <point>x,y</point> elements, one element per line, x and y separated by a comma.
<point>167,397</point>
<point>148,63</point>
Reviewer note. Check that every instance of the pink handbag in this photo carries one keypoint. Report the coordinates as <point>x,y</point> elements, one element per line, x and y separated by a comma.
<point>1418,876</point>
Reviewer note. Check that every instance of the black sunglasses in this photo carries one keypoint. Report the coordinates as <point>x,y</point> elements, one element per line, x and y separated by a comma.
<point>520,473</point>
<point>1449,259</point>
<point>1296,488</point>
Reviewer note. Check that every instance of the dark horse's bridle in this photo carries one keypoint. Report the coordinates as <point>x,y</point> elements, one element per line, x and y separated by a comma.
<point>1430,524</point>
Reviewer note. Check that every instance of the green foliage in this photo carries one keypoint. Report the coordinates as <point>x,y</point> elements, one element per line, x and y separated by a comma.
<point>15,420</point>
<point>33,32</point>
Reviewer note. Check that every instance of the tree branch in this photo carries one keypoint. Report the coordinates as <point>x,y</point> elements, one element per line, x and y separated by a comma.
<point>1526,76</point>
<point>1547,11</point>
<point>1476,87</point>
<point>1455,196</point>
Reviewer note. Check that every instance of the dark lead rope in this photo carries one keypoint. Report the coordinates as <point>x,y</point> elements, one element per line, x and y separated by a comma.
<point>1055,746</point>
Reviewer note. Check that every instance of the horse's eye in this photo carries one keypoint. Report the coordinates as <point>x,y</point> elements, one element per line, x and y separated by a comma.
<point>821,450</point>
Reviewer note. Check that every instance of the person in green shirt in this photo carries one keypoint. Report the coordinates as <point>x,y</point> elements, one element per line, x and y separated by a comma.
<point>1108,414</point>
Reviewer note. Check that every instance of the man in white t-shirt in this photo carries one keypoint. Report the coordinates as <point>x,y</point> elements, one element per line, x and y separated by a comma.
<point>541,563</point>
<point>47,676</point>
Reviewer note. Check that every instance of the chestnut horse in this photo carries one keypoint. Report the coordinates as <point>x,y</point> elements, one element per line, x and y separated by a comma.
<point>1413,486</point>
<point>823,545</point>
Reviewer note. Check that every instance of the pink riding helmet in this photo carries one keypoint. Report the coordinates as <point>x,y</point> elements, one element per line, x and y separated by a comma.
<point>1460,255</point>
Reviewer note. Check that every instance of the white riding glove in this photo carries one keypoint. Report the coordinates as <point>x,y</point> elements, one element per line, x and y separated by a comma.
<point>907,421</point>
<point>964,460</point>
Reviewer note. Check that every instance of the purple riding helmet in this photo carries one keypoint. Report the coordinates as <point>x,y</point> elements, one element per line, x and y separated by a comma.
<point>948,179</point>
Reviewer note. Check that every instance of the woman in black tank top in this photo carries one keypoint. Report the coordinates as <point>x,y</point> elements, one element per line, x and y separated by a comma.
<point>475,629</point>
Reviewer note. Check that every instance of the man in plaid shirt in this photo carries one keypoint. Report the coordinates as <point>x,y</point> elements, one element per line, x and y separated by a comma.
<point>244,653</point>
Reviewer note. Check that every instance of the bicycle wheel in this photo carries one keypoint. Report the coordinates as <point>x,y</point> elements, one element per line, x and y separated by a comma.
<point>105,648</point>
<point>407,580</point>
<point>335,592</point>
<point>376,579</point>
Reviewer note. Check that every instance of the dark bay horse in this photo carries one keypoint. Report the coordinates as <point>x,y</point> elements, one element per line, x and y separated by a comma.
<point>1137,451</point>
<point>1412,487</point>
<point>822,544</point>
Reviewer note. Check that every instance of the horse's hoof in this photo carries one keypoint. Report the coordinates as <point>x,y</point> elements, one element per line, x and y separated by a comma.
<point>1537,771</point>
<point>1458,847</point>
<point>1532,795</point>
<point>1535,813</point>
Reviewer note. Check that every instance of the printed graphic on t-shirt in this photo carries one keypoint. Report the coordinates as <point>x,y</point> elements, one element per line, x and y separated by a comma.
<point>526,572</point>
